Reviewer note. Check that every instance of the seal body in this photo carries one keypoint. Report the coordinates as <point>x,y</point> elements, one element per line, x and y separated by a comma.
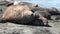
<point>16,13</point>
<point>23,15</point>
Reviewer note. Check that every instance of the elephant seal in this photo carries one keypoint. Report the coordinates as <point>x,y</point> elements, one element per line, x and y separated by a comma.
<point>22,15</point>
<point>16,13</point>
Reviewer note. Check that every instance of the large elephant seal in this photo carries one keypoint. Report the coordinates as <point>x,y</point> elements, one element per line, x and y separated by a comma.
<point>22,14</point>
<point>16,13</point>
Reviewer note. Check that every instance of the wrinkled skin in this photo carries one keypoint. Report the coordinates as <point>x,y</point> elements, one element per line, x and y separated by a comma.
<point>40,18</point>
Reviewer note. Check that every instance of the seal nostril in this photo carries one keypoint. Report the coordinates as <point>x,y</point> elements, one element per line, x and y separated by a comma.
<point>33,11</point>
<point>31,14</point>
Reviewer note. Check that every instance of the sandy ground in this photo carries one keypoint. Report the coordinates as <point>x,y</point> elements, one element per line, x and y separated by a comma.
<point>11,28</point>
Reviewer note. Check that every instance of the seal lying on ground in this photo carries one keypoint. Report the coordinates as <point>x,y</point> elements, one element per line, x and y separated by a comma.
<point>22,15</point>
